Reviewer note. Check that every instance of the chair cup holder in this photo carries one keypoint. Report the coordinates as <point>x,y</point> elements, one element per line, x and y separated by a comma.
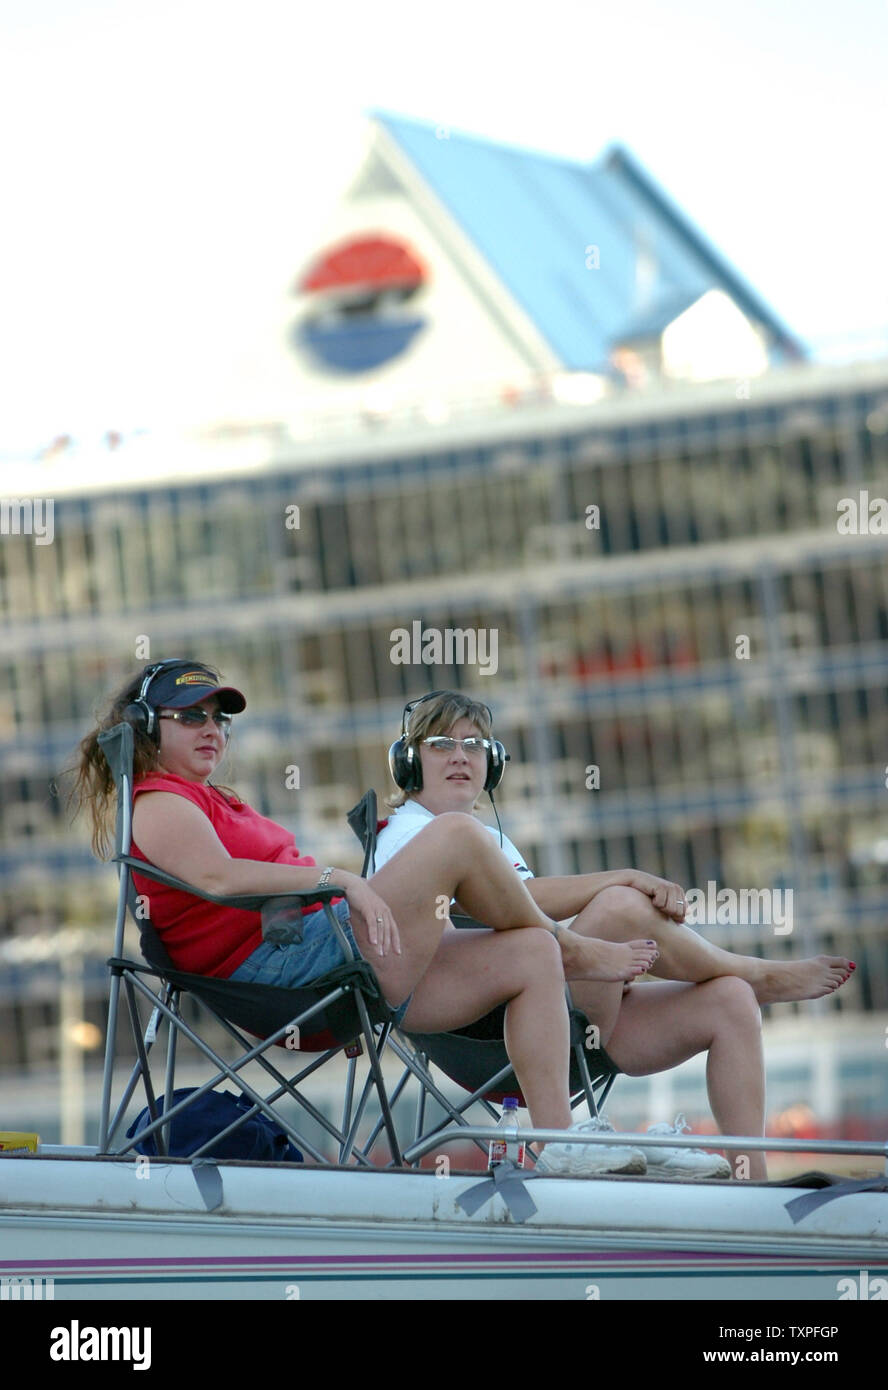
<point>281,922</point>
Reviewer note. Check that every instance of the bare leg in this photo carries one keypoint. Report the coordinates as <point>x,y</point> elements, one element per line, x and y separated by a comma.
<point>661,1025</point>
<point>458,976</point>
<point>453,852</point>
<point>623,912</point>
<point>474,971</point>
<point>455,857</point>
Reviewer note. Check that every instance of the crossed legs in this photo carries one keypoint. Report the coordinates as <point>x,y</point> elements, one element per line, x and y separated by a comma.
<point>458,976</point>
<point>715,1009</point>
<point>662,1024</point>
<point>623,913</point>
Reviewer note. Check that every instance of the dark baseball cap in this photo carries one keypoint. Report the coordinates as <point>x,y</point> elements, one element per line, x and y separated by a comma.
<point>186,684</point>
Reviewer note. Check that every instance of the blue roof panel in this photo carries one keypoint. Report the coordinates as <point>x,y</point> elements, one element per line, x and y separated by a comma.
<point>532,216</point>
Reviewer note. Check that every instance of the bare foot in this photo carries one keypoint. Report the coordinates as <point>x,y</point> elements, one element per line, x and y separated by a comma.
<point>783,981</point>
<point>587,958</point>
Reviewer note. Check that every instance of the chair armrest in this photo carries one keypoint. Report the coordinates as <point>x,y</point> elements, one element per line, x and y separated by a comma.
<point>250,902</point>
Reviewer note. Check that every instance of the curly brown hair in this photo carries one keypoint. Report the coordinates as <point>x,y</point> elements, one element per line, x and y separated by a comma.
<point>438,716</point>
<point>93,789</point>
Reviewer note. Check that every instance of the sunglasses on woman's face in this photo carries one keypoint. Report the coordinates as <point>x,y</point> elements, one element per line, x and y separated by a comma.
<point>196,718</point>
<point>442,744</point>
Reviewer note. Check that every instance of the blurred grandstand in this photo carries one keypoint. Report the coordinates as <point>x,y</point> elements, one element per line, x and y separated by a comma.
<point>523,396</point>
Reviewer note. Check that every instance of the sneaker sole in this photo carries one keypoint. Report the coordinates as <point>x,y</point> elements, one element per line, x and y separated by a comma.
<point>664,1170</point>
<point>635,1165</point>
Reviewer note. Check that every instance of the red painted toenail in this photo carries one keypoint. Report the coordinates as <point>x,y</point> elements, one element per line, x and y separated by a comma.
<point>853,966</point>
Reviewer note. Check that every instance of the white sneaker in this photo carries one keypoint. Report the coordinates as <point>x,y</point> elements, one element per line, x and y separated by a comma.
<point>683,1163</point>
<point>585,1160</point>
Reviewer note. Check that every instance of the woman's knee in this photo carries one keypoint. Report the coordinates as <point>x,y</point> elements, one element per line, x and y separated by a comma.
<point>733,1000</point>
<point>622,902</point>
<point>444,841</point>
<point>453,826</point>
<point>537,951</point>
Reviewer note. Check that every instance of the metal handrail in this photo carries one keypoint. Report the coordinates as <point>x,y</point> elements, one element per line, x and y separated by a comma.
<point>513,1134</point>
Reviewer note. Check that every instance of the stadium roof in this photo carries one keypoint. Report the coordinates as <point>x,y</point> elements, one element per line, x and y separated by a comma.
<point>594,254</point>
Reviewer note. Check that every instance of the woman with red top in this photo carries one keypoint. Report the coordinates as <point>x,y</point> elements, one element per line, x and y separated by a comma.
<point>435,978</point>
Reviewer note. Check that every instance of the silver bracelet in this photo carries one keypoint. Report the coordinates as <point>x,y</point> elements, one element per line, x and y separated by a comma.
<point>325,877</point>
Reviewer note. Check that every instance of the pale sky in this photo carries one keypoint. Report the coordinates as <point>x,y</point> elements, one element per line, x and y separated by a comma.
<point>168,164</point>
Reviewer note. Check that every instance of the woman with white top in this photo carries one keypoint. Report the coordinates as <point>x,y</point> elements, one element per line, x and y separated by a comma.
<point>707,999</point>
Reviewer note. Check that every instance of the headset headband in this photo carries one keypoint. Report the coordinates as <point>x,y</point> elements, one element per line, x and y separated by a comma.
<point>409,708</point>
<point>139,712</point>
<point>152,672</point>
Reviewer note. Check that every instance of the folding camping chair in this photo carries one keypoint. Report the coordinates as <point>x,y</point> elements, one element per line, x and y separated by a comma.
<point>339,1012</point>
<point>475,1057</point>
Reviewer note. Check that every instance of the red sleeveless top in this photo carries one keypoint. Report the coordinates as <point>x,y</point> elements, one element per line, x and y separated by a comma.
<point>202,937</point>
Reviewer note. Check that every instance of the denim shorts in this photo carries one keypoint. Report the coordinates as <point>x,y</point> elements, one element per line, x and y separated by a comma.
<point>300,963</point>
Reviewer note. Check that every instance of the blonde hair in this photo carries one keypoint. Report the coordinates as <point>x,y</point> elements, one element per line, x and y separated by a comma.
<point>438,716</point>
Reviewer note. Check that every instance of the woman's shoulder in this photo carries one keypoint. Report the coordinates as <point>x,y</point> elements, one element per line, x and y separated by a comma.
<point>198,792</point>
<point>405,819</point>
<point>411,808</point>
<point>513,854</point>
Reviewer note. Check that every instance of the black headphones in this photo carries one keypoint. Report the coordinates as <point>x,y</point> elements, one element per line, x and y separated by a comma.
<point>140,714</point>
<point>406,767</point>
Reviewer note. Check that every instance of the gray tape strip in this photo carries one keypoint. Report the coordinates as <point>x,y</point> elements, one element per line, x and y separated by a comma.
<point>209,1182</point>
<point>800,1207</point>
<point>507,1182</point>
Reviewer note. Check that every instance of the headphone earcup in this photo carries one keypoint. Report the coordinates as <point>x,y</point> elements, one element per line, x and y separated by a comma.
<point>140,716</point>
<point>496,766</point>
<point>137,715</point>
<point>406,771</point>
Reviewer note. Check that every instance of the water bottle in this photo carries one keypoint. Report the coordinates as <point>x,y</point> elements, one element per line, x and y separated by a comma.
<point>499,1150</point>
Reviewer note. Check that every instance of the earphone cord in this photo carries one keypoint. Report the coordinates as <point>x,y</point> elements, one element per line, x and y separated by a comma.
<point>496,813</point>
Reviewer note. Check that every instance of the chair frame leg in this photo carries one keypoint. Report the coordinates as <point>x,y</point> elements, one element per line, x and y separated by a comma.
<point>160,1123</point>
<point>224,1071</point>
<point>376,1068</point>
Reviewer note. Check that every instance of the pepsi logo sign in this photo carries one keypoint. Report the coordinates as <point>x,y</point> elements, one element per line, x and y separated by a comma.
<point>358,308</point>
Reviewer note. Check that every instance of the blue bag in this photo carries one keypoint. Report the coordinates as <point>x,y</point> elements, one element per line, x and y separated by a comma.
<point>258,1138</point>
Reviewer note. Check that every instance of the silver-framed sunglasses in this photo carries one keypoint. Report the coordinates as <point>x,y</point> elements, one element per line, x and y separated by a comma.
<point>196,718</point>
<point>442,743</point>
